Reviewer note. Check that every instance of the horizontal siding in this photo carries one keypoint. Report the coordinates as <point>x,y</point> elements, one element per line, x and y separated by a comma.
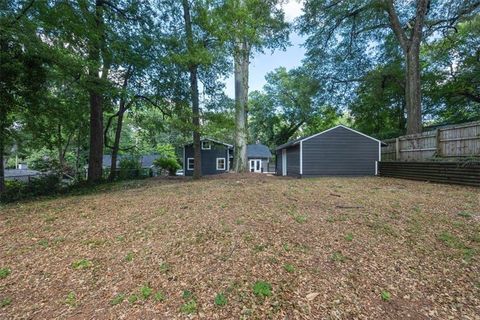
<point>339,152</point>
<point>209,159</point>
<point>443,172</point>
<point>293,161</point>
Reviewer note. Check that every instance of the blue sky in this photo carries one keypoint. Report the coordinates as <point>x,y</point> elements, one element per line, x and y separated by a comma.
<point>262,64</point>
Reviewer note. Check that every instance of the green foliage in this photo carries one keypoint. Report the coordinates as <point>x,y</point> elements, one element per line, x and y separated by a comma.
<point>169,164</point>
<point>337,256</point>
<point>5,272</point>
<point>119,298</point>
<point>130,167</point>
<point>38,186</point>
<point>71,299</point>
<point>164,267</point>
<point>220,300</point>
<point>189,307</point>
<point>129,257</point>
<point>465,214</point>
<point>349,237</point>
<point>287,106</point>
<point>289,267</point>
<point>82,264</point>
<point>187,294</point>
<point>146,292</point>
<point>262,289</point>
<point>159,296</point>
<point>5,302</point>
<point>385,295</point>
<point>133,298</point>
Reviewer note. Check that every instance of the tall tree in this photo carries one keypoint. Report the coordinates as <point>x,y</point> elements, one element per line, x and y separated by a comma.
<point>250,25</point>
<point>356,30</point>
<point>287,107</point>
<point>198,49</point>
<point>23,60</point>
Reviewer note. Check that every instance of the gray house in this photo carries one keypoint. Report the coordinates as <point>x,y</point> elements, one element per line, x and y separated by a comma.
<point>338,151</point>
<point>258,156</point>
<point>216,157</point>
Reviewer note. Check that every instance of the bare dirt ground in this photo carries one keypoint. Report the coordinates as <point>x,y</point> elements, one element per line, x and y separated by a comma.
<point>245,247</point>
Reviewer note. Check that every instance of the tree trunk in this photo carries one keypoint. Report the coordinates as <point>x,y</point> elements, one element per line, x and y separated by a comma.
<point>95,158</point>
<point>193,69</point>
<point>197,169</point>
<point>116,143</point>
<point>410,45</point>
<point>413,93</point>
<point>241,61</point>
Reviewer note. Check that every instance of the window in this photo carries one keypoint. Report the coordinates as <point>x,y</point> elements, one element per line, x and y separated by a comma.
<point>220,163</point>
<point>190,163</point>
<point>206,145</point>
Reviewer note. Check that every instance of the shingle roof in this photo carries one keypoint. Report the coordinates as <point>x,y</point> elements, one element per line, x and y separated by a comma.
<point>296,141</point>
<point>146,160</point>
<point>258,151</point>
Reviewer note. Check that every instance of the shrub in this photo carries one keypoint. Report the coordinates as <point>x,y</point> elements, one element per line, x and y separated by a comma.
<point>37,186</point>
<point>169,164</point>
<point>130,167</point>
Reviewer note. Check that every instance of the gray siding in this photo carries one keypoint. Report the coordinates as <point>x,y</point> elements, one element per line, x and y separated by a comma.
<point>339,152</point>
<point>293,161</point>
<point>209,158</point>
<point>278,163</point>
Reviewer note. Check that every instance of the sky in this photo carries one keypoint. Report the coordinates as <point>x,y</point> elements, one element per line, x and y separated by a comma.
<point>261,64</point>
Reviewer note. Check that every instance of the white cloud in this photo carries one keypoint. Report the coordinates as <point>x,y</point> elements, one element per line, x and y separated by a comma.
<point>293,9</point>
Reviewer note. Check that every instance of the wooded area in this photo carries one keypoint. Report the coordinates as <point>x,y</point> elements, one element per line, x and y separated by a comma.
<point>83,79</point>
<point>454,142</point>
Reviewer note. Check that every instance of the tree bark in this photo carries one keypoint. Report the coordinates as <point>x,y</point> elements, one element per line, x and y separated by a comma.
<point>241,65</point>
<point>116,142</point>
<point>410,45</point>
<point>95,169</point>
<point>193,70</point>
<point>413,92</point>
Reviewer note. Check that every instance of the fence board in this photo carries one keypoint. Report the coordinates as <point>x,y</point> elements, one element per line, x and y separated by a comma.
<point>457,141</point>
<point>464,173</point>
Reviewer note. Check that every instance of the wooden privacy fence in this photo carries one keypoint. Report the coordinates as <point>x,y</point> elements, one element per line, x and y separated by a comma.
<point>464,173</point>
<point>457,141</point>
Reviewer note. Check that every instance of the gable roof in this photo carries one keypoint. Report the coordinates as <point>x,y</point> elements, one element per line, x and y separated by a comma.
<point>297,141</point>
<point>258,151</point>
<point>212,140</point>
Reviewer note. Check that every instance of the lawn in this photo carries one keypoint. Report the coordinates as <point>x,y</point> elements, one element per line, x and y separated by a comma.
<point>245,247</point>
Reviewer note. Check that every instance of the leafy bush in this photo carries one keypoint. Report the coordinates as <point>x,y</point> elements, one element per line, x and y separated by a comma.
<point>169,164</point>
<point>37,186</point>
<point>130,168</point>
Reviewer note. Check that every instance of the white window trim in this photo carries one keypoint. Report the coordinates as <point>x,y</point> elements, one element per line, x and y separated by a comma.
<point>188,164</point>
<point>224,164</point>
<point>209,145</point>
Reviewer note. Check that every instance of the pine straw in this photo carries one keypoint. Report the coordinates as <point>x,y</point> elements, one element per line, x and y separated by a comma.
<point>348,240</point>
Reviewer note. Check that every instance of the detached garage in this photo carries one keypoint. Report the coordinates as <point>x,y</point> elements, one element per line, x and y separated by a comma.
<point>338,151</point>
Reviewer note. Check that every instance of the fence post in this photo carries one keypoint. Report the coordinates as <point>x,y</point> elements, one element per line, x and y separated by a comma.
<point>439,143</point>
<point>397,149</point>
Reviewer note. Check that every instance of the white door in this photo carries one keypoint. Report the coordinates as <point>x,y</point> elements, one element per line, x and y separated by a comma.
<point>255,165</point>
<point>284,162</point>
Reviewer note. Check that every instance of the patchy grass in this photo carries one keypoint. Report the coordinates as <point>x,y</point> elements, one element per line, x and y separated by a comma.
<point>262,289</point>
<point>176,248</point>
<point>82,264</point>
<point>5,272</point>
